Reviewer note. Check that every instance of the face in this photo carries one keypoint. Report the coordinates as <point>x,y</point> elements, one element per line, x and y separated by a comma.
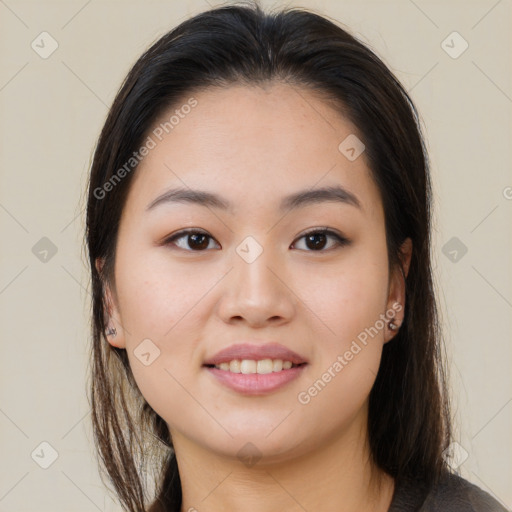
<point>253,273</point>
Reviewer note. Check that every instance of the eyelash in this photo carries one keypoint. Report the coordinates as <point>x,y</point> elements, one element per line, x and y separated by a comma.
<point>341,241</point>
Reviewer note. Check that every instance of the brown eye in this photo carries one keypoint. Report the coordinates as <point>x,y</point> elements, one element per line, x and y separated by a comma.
<point>317,240</point>
<point>193,240</point>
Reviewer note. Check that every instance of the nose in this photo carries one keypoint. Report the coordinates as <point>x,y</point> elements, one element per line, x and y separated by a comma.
<point>257,292</point>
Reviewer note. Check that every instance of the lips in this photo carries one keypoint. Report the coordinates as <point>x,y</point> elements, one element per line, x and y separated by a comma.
<point>255,352</point>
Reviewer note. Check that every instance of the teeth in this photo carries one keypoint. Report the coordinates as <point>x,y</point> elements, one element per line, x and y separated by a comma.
<point>233,366</point>
<point>265,366</point>
<point>277,365</point>
<point>251,366</point>
<point>248,366</point>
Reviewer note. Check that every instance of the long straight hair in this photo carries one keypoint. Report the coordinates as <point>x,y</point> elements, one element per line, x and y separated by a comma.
<point>409,417</point>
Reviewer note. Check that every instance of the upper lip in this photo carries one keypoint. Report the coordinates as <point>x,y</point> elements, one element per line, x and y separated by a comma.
<point>255,352</point>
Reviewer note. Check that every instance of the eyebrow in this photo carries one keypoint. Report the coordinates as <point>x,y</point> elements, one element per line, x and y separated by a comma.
<point>293,201</point>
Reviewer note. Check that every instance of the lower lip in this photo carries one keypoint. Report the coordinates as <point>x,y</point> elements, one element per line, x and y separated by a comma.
<point>256,383</point>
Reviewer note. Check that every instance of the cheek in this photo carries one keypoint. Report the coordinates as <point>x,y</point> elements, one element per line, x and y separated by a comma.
<point>162,310</point>
<point>345,307</point>
<point>349,346</point>
<point>158,297</point>
<point>344,299</point>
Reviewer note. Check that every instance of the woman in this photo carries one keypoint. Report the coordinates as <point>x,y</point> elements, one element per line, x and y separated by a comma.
<point>264,324</point>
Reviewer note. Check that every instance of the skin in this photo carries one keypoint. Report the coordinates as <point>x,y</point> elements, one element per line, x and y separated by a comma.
<point>253,145</point>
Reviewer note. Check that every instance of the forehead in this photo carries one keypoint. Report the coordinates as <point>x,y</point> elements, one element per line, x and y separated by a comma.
<point>252,145</point>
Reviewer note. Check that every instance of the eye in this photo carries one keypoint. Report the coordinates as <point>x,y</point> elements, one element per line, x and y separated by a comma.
<point>197,240</point>
<point>316,239</point>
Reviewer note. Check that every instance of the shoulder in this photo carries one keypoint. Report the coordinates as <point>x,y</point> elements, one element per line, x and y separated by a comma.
<point>456,494</point>
<point>452,494</point>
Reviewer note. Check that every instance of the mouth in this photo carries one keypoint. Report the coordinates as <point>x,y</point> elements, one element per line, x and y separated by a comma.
<point>255,368</point>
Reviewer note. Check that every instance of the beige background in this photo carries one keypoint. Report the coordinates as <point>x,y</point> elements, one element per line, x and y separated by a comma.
<point>51,113</point>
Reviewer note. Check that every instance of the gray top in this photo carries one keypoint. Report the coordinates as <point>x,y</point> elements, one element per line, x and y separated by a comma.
<point>452,494</point>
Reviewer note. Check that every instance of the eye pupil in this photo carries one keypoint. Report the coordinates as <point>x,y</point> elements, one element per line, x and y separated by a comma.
<point>316,243</point>
<point>202,245</point>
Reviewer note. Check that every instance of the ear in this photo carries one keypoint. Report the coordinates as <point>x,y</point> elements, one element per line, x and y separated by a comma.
<point>396,295</point>
<point>111,311</point>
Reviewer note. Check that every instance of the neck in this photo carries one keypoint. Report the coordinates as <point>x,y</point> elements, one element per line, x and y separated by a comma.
<point>335,476</point>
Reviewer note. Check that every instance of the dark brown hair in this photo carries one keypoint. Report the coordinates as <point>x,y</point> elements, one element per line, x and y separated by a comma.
<point>409,420</point>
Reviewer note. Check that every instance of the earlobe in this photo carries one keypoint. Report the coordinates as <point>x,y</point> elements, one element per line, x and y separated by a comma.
<point>111,336</point>
<point>113,331</point>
